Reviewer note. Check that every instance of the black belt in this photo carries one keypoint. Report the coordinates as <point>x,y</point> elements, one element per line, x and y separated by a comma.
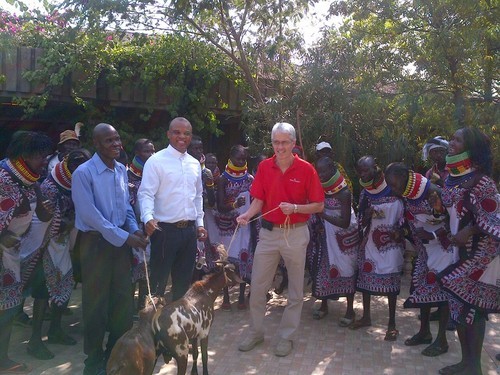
<point>181,224</point>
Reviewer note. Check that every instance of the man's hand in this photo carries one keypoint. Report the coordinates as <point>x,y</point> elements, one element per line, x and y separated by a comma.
<point>151,226</point>
<point>202,234</point>
<point>243,219</point>
<point>137,240</point>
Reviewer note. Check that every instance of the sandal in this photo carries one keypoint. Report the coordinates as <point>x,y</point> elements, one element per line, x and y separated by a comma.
<point>418,339</point>
<point>61,338</point>
<point>319,314</point>
<point>360,324</point>
<point>346,322</point>
<point>434,350</point>
<point>39,350</point>
<point>16,368</point>
<point>242,306</point>
<point>391,335</point>
<point>452,369</point>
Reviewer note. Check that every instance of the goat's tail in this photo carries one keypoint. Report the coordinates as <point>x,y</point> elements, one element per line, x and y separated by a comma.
<point>115,370</point>
<point>161,349</point>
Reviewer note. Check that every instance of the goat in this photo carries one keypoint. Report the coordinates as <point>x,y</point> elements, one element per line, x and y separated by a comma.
<point>135,352</point>
<point>190,318</point>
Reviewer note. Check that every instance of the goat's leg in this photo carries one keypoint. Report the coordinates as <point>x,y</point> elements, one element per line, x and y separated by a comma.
<point>194,351</point>
<point>182,363</point>
<point>204,354</point>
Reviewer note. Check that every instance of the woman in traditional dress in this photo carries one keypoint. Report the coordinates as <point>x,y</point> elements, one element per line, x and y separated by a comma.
<point>427,221</point>
<point>210,209</point>
<point>233,198</point>
<point>473,203</point>
<point>382,247</point>
<point>143,149</point>
<point>48,266</point>
<point>332,258</point>
<point>20,196</point>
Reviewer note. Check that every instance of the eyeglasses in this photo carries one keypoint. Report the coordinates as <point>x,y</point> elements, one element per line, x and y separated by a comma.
<point>281,143</point>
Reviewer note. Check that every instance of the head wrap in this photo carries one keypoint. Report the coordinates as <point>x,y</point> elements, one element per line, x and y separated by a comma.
<point>436,142</point>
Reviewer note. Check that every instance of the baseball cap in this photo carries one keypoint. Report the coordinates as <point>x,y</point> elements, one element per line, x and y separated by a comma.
<point>68,135</point>
<point>320,146</point>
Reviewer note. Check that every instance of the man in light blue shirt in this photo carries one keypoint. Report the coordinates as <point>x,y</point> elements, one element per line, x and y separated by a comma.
<point>107,231</point>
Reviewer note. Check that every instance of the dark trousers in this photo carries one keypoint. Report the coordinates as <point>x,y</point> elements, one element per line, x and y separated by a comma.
<point>107,302</point>
<point>173,250</point>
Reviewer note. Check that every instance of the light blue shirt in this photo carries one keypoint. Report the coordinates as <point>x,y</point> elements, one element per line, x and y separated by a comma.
<point>101,199</point>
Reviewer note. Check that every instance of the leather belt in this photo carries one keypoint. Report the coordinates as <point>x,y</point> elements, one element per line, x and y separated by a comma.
<point>182,224</point>
<point>291,226</point>
<point>269,225</point>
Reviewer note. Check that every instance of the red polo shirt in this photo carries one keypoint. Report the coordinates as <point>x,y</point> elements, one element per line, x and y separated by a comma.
<point>299,184</point>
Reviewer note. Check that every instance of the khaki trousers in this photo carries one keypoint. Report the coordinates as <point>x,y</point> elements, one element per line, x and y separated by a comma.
<point>290,244</point>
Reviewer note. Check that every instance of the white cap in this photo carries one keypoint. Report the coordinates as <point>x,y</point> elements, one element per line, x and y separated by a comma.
<point>322,145</point>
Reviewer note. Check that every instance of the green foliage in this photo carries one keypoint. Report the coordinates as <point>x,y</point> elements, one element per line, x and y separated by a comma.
<point>184,68</point>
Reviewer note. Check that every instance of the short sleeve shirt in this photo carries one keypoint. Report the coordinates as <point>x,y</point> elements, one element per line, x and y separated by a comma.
<point>299,184</point>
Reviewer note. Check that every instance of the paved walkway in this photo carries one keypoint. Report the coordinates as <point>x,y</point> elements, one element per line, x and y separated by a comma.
<point>321,347</point>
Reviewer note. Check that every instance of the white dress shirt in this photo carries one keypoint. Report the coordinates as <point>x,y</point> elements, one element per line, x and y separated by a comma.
<point>171,188</point>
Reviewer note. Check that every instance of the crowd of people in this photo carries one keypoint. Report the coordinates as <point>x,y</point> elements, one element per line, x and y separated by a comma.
<point>73,216</point>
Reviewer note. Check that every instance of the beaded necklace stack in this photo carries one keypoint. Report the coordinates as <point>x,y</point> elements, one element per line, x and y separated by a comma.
<point>375,187</point>
<point>416,186</point>
<point>20,169</point>
<point>234,173</point>
<point>334,184</point>
<point>62,175</point>
<point>460,168</point>
<point>136,166</point>
<point>459,165</point>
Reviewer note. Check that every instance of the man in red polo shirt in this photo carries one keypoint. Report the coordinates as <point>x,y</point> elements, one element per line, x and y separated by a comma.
<point>286,190</point>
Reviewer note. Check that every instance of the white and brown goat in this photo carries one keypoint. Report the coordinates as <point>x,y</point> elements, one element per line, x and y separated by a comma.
<point>135,352</point>
<point>189,319</point>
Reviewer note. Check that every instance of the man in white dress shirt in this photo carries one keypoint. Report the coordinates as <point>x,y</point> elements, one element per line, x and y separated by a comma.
<point>171,202</point>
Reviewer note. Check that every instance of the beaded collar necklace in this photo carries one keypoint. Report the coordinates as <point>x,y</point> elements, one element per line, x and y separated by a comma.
<point>235,173</point>
<point>62,175</point>
<point>459,165</point>
<point>374,187</point>
<point>416,186</point>
<point>334,184</point>
<point>136,166</point>
<point>20,169</point>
